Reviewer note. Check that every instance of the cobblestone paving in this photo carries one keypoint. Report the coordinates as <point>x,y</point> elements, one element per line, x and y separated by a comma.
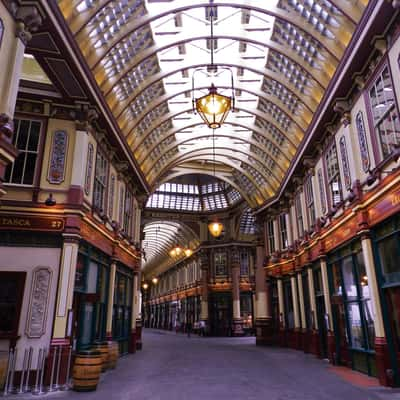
<point>175,367</point>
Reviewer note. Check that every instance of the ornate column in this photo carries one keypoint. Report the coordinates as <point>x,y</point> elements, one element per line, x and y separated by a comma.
<point>328,310</point>
<point>263,320</point>
<point>18,23</point>
<point>296,312</point>
<point>63,317</point>
<point>132,344</point>
<point>313,304</point>
<point>303,322</point>
<point>237,329</point>
<point>138,307</point>
<point>110,303</point>
<point>281,303</point>
<point>204,264</point>
<point>381,347</point>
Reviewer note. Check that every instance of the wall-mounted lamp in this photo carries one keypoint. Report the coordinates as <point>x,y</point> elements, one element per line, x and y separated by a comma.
<point>50,201</point>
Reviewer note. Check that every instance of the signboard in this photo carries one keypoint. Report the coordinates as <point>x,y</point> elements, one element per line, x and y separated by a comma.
<point>31,223</point>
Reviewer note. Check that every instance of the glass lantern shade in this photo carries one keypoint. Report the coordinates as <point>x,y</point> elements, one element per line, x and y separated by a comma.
<point>213,108</point>
<point>145,286</point>
<point>215,228</point>
<point>155,280</point>
<point>188,252</point>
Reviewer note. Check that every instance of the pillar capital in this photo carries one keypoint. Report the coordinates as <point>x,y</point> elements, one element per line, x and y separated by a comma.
<point>28,21</point>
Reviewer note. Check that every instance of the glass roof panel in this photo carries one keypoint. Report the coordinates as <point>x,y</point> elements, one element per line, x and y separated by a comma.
<point>146,55</point>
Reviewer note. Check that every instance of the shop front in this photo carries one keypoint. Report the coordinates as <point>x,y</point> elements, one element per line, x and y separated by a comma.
<point>90,297</point>
<point>352,311</point>
<point>387,254</point>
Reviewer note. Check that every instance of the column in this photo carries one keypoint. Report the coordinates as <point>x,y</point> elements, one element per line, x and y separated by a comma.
<point>132,344</point>
<point>381,347</point>
<point>314,345</point>
<point>303,322</point>
<point>296,312</point>
<point>263,321</point>
<point>16,35</point>
<point>281,303</point>
<point>237,329</point>
<point>204,262</point>
<point>110,304</point>
<point>138,308</point>
<point>63,317</point>
<point>328,311</point>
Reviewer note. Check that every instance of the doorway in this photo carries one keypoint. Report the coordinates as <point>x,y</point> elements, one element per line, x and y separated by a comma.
<point>221,314</point>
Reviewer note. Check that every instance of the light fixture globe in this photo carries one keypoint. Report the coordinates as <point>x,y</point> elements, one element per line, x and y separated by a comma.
<point>215,228</point>
<point>188,252</point>
<point>145,286</point>
<point>213,108</point>
<point>155,280</point>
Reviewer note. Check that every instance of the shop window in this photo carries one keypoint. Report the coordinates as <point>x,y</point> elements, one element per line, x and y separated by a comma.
<point>11,293</point>
<point>244,263</point>
<point>271,236</point>
<point>26,139</point>
<point>350,281</point>
<point>122,309</point>
<point>100,182</point>
<point>309,196</point>
<point>384,112</point>
<point>288,299</point>
<point>307,305</point>
<point>333,175</point>
<point>389,255</point>
<point>299,215</point>
<point>283,231</point>
<point>220,264</point>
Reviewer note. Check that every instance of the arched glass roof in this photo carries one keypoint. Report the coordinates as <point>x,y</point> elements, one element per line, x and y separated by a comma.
<point>159,238</point>
<point>202,195</point>
<point>283,55</point>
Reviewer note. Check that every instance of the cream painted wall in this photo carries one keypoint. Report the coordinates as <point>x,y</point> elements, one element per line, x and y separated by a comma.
<point>26,259</point>
<point>12,50</point>
<point>59,190</point>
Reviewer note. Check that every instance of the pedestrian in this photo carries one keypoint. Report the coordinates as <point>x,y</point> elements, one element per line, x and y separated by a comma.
<point>202,325</point>
<point>188,328</point>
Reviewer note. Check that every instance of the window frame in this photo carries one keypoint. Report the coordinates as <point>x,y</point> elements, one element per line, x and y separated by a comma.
<point>310,201</point>
<point>270,232</point>
<point>299,215</point>
<point>374,135</point>
<point>336,178</point>
<point>96,181</point>
<point>283,231</point>
<point>39,153</point>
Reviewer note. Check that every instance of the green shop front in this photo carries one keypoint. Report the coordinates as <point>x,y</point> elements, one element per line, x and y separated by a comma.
<point>91,293</point>
<point>352,312</point>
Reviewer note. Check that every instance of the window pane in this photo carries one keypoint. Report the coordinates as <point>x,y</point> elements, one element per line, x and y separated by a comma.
<point>355,326</point>
<point>348,278</point>
<point>30,168</point>
<point>389,255</point>
<point>23,134</point>
<point>34,136</point>
<point>17,171</point>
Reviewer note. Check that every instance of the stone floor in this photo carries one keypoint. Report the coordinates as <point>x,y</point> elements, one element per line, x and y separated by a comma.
<point>176,367</point>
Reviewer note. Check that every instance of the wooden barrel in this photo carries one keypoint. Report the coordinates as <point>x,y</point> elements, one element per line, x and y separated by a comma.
<point>86,370</point>
<point>113,354</point>
<point>3,368</point>
<point>102,347</point>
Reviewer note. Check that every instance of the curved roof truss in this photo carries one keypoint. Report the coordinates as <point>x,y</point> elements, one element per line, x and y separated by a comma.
<point>282,53</point>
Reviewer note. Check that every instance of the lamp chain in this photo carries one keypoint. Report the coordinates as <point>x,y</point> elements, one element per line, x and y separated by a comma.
<point>212,34</point>
<point>213,139</point>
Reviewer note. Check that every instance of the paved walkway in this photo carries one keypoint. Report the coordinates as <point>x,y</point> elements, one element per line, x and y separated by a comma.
<point>175,367</point>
